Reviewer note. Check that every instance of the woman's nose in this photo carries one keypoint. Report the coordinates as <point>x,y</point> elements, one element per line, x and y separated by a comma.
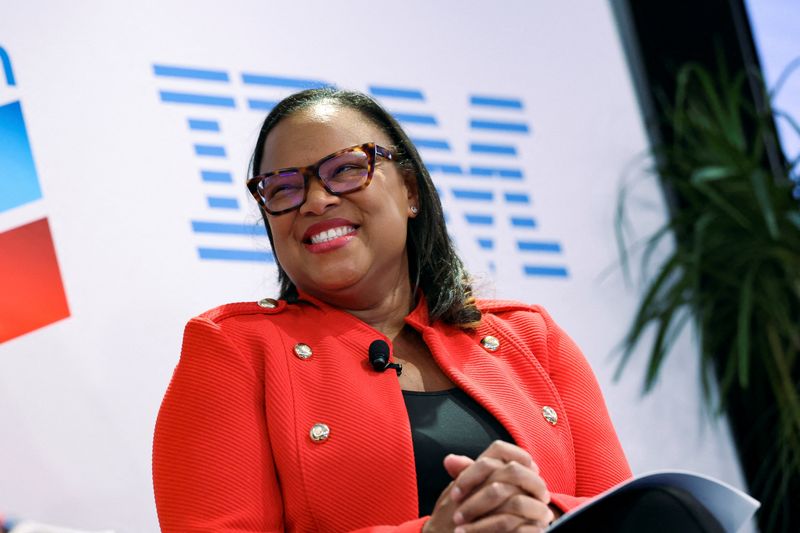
<point>318,200</point>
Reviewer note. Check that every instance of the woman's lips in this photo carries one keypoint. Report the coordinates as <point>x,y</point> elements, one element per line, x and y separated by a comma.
<point>333,233</point>
<point>332,244</point>
<point>329,235</point>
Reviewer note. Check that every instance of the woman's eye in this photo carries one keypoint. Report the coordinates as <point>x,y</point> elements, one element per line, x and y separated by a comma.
<point>346,168</point>
<point>283,190</point>
<point>348,171</point>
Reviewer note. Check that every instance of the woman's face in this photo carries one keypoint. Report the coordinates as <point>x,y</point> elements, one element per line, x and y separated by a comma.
<point>365,256</point>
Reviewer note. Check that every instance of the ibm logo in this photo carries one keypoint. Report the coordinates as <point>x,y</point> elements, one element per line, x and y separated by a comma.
<point>480,179</point>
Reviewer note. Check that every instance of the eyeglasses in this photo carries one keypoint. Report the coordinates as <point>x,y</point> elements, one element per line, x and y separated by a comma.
<point>342,172</point>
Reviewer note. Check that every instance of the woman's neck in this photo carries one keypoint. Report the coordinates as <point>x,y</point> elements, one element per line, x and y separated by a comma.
<point>387,314</point>
<point>383,310</point>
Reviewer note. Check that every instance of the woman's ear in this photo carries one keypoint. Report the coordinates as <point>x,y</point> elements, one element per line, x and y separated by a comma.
<point>412,192</point>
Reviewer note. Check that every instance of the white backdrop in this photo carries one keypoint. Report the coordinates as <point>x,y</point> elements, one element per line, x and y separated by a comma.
<point>529,184</point>
<point>778,46</point>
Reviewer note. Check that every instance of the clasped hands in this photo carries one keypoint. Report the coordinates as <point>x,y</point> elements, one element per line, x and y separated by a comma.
<point>499,491</point>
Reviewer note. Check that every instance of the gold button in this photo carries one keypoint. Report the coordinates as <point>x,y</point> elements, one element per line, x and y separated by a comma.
<point>549,414</point>
<point>303,351</point>
<point>490,343</point>
<point>268,303</point>
<point>319,432</point>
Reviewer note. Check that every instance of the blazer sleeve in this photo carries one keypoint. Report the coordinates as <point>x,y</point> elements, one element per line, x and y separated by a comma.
<point>212,467</point>
<point>213,470</point>
<point>600,462</point>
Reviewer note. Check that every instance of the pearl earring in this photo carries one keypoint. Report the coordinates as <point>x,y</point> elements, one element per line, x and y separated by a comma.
<point>414,209</point>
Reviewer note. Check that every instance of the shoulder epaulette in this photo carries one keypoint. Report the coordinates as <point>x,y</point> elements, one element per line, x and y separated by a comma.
<point>501,306</point>
<point>265,306</point>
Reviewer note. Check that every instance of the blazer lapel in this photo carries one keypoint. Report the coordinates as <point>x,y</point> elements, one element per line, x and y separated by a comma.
<point>510,384</point>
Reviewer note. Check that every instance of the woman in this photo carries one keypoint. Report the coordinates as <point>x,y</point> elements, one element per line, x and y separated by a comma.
<point>276,419</point>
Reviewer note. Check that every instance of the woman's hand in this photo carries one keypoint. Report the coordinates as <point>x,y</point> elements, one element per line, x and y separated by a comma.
<point>500,491</point>
<point>442,516</point>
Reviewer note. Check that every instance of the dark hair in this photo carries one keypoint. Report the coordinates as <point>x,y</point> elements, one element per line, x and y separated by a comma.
<point>433,263</point>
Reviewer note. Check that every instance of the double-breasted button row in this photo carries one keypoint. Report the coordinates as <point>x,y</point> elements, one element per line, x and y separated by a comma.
<point>319,432</point>
<point>492,344</point>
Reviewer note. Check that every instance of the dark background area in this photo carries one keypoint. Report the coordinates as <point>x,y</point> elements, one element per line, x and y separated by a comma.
<point>660,37</point>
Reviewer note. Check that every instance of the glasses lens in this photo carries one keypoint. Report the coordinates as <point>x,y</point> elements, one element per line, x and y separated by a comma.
<point>282,191</point>
<point>345,172</point>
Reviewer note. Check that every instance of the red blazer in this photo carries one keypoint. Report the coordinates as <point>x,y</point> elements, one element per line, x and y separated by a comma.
<point>233,451</point>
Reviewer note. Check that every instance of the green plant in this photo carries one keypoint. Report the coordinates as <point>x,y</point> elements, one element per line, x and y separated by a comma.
<point>733,268</point>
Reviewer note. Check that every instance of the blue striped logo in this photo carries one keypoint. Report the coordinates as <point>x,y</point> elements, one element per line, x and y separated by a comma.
<point>482,182</point>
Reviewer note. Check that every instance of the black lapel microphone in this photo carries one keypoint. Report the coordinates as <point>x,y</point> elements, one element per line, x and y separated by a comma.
<point>379,357</point>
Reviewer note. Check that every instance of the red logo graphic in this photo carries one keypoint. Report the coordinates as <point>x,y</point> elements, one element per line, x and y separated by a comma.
<point>30,281</point>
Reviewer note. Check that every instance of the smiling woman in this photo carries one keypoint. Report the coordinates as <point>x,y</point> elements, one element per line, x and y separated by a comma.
<point>279,418</point>
<point>351,118</point>
<point>372,211</point>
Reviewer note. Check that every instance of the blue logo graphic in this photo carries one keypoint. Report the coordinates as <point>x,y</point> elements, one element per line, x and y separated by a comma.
<point>19,184</point>
<point>483,183</point>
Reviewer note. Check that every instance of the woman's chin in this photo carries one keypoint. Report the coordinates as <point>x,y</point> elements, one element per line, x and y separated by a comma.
<point>332,282</point>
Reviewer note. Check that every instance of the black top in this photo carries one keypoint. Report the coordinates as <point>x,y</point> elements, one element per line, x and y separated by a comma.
<point>445,422</point>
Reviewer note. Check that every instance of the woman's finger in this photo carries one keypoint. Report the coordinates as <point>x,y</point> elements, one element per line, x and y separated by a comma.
<point>531,509</point>
<point>442,515</point>
<point>487,469</point>
<point>485,500</point>
<point>492,524</point>
<point>505,451</point>
<point>455,464</point>
<point>474,476</point>
<point>531,528</point>
<point>523,477</point>
<point>501,498</point>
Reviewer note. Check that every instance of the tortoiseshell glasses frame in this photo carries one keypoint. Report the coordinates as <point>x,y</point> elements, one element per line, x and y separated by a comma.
<point>348,170</point>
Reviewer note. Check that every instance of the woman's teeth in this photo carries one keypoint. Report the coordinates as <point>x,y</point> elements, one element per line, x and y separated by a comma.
<point>331,234</point>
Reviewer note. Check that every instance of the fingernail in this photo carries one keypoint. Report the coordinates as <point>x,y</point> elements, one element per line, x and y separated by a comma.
<point>459,530</point>
<point>455,494</point>
<point>458,518</point>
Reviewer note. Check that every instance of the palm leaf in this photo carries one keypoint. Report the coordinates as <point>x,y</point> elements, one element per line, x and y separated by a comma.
<point>733,267</point>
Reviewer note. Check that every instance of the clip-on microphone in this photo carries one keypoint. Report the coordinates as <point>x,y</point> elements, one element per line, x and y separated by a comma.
<point>379,357</point>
